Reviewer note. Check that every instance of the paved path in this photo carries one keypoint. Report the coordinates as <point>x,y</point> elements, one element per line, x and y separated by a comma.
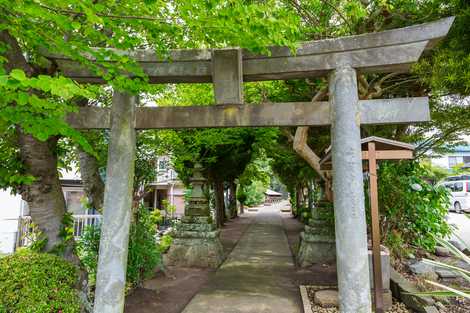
<point>462,223</point>
<point>257,275</point>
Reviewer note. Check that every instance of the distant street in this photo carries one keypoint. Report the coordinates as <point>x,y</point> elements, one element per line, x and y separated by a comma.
<point>463,226</point>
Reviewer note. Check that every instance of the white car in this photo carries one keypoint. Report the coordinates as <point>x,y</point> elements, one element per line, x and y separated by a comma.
<point>459,187</point>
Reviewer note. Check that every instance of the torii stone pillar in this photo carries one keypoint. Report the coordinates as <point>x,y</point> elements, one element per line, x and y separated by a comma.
<point>112,260</point>
<point>350,218</point>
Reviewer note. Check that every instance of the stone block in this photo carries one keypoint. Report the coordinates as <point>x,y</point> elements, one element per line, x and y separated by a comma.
<point>315,249</point>
<point>441,251</point>
<point>421,268</point>
<point>326,298</point>
<point>195,252</point>
<point>195,244</point>
<point>446,274</point>
<point>385,257</point>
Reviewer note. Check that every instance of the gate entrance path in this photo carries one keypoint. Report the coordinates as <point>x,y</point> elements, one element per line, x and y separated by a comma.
<point>257,275</point>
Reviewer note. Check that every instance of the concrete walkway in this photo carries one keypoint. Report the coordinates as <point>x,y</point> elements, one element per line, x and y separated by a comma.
<point>257,275</point>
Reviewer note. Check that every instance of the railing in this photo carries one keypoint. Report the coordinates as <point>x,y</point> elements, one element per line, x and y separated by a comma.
<point>26,228</point>
<point>80,222</point>
<point>25,232</point>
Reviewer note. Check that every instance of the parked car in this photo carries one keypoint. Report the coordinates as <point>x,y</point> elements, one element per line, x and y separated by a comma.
<point>459,187</point>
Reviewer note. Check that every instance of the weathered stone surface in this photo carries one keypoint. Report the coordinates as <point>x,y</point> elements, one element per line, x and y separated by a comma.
<point>446,274</point>
<point>195,252</point>
<point>348,187</point>
<point>421,268</point>
<point>111,274</point>
<point>317,244</point>
<point>385,260</point>
<point>179,233</point>
<point>196,242</point>
<point>406,292</point>
<point>227,76</point>
<point>326,298</point>
<point>441,251</point>
<point>382,51</point>
<point>372,112</point>
<point>430,309</point>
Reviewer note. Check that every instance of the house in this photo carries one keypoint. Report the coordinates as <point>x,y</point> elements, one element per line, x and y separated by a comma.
<point>460,155</point>
<point>166,188</point>
<point>271,196</point>
<point>14,212</point>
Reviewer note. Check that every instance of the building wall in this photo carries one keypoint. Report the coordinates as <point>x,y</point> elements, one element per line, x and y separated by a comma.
<point>451,159</point>
<point>10,209</point>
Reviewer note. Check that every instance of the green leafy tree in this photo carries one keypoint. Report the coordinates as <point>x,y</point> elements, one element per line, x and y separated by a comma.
<point>36,97</point>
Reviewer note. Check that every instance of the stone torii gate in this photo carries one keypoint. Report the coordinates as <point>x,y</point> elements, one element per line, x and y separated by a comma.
<point>227,69</point>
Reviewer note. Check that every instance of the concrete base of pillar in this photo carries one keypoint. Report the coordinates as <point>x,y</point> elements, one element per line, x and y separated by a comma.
<point>387,299</point>
<point>196,243</point>
<point>317,244</point>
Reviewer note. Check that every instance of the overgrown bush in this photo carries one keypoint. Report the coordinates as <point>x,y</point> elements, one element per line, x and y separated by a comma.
<point>32,282</point>
<point>144,251</point>
<point>253,193</point>
<point>412,210</point>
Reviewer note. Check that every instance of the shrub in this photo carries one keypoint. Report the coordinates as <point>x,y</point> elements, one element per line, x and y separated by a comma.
<point>37,282</point>
<point>144,252</point>
<point>412,211</point>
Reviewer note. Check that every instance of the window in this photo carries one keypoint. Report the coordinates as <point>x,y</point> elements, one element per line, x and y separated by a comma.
<point>452,161</point>
<point>163,165</point>
<point>466,159</point>
<point>458,187</point>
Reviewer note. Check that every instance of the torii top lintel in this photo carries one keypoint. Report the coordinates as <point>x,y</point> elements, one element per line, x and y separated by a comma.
<point>392,50</point>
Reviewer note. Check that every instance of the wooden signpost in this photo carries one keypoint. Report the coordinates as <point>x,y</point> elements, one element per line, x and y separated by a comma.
<point>373,150</point>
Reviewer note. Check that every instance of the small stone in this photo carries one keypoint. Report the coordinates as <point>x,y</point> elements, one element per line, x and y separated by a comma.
<point>430,309</point>
<point>441,251</point>
<point>326,298</point>
<point>420,268</point>
<point>440,306</point>
<point>411,256</point>
<point>445,274</point>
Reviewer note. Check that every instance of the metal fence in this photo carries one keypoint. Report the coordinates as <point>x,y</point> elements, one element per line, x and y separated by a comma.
<point>26,232</point>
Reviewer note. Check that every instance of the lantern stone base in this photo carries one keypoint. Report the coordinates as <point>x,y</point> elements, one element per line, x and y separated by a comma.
<point>195,243</point>
<point>317,244</point>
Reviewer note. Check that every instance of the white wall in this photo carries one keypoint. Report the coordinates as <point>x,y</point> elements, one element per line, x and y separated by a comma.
<point>10,210</point>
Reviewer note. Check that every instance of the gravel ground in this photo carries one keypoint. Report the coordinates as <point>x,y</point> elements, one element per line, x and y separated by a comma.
<point>456,305</point>
<point>396,308</point>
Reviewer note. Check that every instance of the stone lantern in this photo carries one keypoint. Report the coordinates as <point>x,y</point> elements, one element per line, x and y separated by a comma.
<point>196,240</point>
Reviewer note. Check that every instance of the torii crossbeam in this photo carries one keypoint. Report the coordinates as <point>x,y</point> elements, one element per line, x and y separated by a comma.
<point>341,59</point>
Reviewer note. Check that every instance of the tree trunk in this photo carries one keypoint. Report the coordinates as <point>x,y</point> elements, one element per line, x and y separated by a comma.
<point>92,182</point>
<point>233,199</point>
<point>219,202</point>
<point>44,196</point>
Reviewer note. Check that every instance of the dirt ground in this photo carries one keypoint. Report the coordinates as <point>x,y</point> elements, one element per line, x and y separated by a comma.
<point>319,274</point>
<point>171,291</point>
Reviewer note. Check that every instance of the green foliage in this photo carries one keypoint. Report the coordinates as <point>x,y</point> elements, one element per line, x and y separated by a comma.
<point>165,243</point>
<point>253,193</point>
<point>87,250</point>
<point>413,211</point>
<point>144,253</point>
<point>33,282</point>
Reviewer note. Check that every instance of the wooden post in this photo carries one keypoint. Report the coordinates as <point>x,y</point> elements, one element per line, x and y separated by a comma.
<point>374,209</point>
